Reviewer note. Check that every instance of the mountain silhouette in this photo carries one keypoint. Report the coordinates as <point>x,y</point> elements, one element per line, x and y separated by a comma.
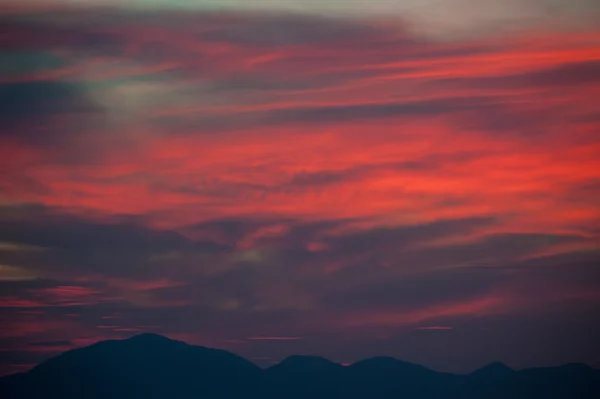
<point>384,367</point>
<point>303,365</point>
<point>497,371</point>
<point>305,376</point>
<point>156,367</point>
<point>494,370</point>
<point>145,366</point>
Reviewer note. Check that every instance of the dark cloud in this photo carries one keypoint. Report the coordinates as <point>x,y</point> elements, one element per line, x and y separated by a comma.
<point>58,116</point>
<point>500,251</point>
<point>220,189</point>
<point>296,234</point>
<point>576,272</point>
<point>28,110</point>
<point>285,30</point>
<point>330,114</point>
<point>556,275</point>
<point>60,231</point>
<point>259,83</point>
<point>322,178</point>
<point>326,114</point>
<point>572,74</point>
<point>85,246</point>
<point>399,238</point>
<point>499,247</point>
<point>233,230</point>
<point>54,32</point>
<point>403,293</point>
<point>510,122</point>
<point>427,163</point>
<point>28,62</point>
<point>19,288</point>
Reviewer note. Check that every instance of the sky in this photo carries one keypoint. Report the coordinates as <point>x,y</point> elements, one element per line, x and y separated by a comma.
<point>336,178</point>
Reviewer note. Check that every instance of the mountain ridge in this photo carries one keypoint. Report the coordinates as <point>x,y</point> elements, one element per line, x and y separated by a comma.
<point>154,366</point>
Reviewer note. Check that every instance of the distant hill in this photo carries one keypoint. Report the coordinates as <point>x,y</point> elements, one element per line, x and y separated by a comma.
<point>155,367</point>
<point>145,366</point>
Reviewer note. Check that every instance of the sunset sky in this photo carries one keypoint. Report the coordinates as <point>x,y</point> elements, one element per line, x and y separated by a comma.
<point>418,179</point>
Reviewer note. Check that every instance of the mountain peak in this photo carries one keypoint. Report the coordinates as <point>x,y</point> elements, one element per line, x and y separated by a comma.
<point>306,363</point>
<point>382,361</point>
<point>386,364</point>
<point>303,365</point>
<point>150,337</point>
<point>494,370</point>
<point>577,366</point>
<point>151,340</point>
